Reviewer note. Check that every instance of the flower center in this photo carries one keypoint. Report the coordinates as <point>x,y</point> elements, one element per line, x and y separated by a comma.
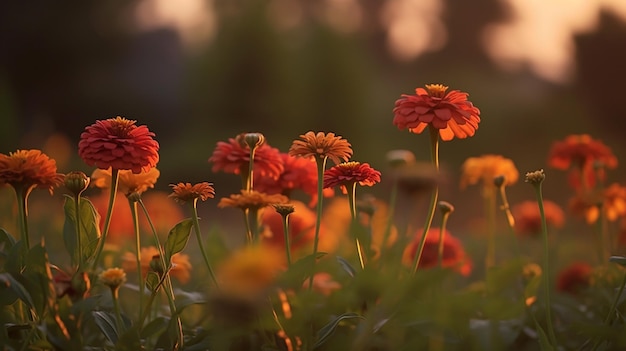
<point>121,126</point>
<point>436,90</point>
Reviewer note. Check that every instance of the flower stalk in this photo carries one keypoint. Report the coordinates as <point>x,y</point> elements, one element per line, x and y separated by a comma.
<point>196,229</point>
<point>107,220</point>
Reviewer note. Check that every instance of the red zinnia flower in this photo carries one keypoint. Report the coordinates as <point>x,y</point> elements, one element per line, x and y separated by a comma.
<point>574,278</point>
<point>234,157</point>
<point>528,219</point>
<point>120,144</point>
<point>449,112</point>
<point>29,168</point>
<point>348,173</point>
<point>453,253</point>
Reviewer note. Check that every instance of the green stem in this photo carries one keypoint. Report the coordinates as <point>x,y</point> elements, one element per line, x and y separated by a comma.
<point>250,181</point>
<point>22,194</point>
<point>490,206</point>
<point>434,157</point>
<point>546,263</point>
<point>246,219</point>
<point>352,203</point>
<point>133,210</point>
<point>107,220</point>
<point>321,166</point>
<point>510,220</point>
<point>442,230</point>
<point>196,228</point>
<point>79,246</point>
<point>169,292</point>
<point>116,308</point>
<point>253,216</point>
<point>287,238</point>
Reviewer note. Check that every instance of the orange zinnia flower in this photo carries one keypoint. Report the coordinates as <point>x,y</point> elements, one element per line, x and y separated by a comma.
<point>574,278</point>
<point>322,145</point>
<point>113,277</point>
<point>528,219</point>
<point>28,169</point>
<point>453,253</point>
<point>613,200</point>
<point>181,266</point>
<point>581,152</point>
<point>250,271</point>
<point>129,182</point>
<point>118,143</point>
<point>251,200</point>
<point>185,192</point>
<point>234,157</point>
<point>449,112</point>
<point>486,168</point>
<point>349,173</point>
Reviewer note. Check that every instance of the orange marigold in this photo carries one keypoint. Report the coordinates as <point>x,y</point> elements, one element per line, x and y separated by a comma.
<point>28,169</point>
<point>528,218</point>
<point>234,157</point>
<point>113,277</point>
<point>486,168</point>
<point>128,182</point>
<point>250,271</point>
<point>251,200</point>
<point>185,192</point>
<point>447,111</point>
<point>181,266</point>
<point>454,255</point>
<point>322,145</point>
<point>574,278</point>
<point>348,173</point>
<point>118,143</point>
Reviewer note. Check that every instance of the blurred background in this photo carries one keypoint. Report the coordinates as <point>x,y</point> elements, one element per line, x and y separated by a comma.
<point>200,71</point>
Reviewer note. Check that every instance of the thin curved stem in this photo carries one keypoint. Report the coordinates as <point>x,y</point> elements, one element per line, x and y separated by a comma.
<point>22,194</point>
<point>442,230</point>
<point>196,229</point>
<point>287,239</point>
<point>107,221</point>
<point>79,246</point>
<point>434,156</point>
<point>352,203</point>
<point>133,210</point>
<point>321,166</point>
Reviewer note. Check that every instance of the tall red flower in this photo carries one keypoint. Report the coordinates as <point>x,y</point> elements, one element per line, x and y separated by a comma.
<point>120,144</point>
<point>29,168</point>
<point>348,173</point>
<point>448,111</point>
<point>454,255</point>
<point>234,157</point>
<point>528,219</point>
<point>574,278</point>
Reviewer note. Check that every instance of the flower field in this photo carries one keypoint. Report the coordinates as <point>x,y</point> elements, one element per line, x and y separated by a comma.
<point>321,263</point>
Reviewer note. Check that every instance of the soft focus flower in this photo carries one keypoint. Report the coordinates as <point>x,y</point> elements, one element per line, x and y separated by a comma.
<point>417,177</point>
<point>298,173</point>
<point>301,227</point>
<point>28,169</point>
<point>485,169</point>
<point>121,229</point>
<point>581,153</point>
<point>234,157</point>
<point>118,143</point>
<point>346,174</point>
<point>113,277</point>
<point>250,271</point>
<point>528,218</point>
<point>574,278</point>
<point>447,111</point>
<point>321,145</point>
<point>612,201</point>
<point>181,266</point>
<point>399,158</point>
<point>323,283</point>
<point>128,182</point>
<point>163,212</point>
<point>251,200</point>
<point>453,253</point>
<point>185,192</point>
<point>535,177</point>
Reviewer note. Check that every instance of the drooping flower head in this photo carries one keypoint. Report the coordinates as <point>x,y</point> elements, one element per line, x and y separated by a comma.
<point>574,278</point>
<point>233,157</point>
<point>348,173</point>
<point>580,153</point>
<point>28,169</point>
<point>454,255</point>
<point>485,169</point>
<point>528,218</point>
<point>320,145</point>
<point>185,192</point>
<point>448,111</point>
<point>129,182</point>
<point>181,266</point>
<point>118,143</point>
<point>251,200</point>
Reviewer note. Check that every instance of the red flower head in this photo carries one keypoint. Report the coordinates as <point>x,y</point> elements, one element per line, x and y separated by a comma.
<point>582,153</point>
<point>453,253</point>
<point>120,144</point>
<point>528,219</point>
<point>447,111</point>
<point>348,173</point>
<point>234,157</point>
<point>29,168</point>
<point>574,278</point>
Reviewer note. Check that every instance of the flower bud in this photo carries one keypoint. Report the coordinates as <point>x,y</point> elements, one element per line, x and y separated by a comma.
<point>76,182</point>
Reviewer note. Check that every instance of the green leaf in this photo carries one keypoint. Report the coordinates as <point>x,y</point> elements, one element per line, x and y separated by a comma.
<point>38,279</point>
<point>6,239</point>
<point>177,239</point>
<point>89,232</point>
<point>152,280</point>
<point>346,266</point>
<point>11,289</point>
<point>156,326</point>
<point>299,271</point>
<point>129,341</point>
<point>185,299</point>
<point>327,331</point>
<point>621,260</point>
<point>106,322</point>
<point>544,342</point>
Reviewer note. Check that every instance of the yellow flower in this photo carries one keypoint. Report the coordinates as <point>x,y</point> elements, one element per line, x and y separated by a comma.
<point>250,271</point>
<point>128,182</point>
<point>252,200</point>
<point>113,277</point>
<point>485,169</point>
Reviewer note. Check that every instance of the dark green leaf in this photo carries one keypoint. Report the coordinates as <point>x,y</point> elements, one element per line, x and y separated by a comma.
<point>152,280</point>
<point>327,331</point>
<point>6,239</point>
<point>346,266</point>
<point>89,232</point>
<point>156,326</point>
<point>11,289</point>
<point>299,271</point>
<point>177,238</point>
<point>544,343</point>
<point>38,279</point>
<point>129,341</point>
<point>185,299</point>
<point>106,322</point>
